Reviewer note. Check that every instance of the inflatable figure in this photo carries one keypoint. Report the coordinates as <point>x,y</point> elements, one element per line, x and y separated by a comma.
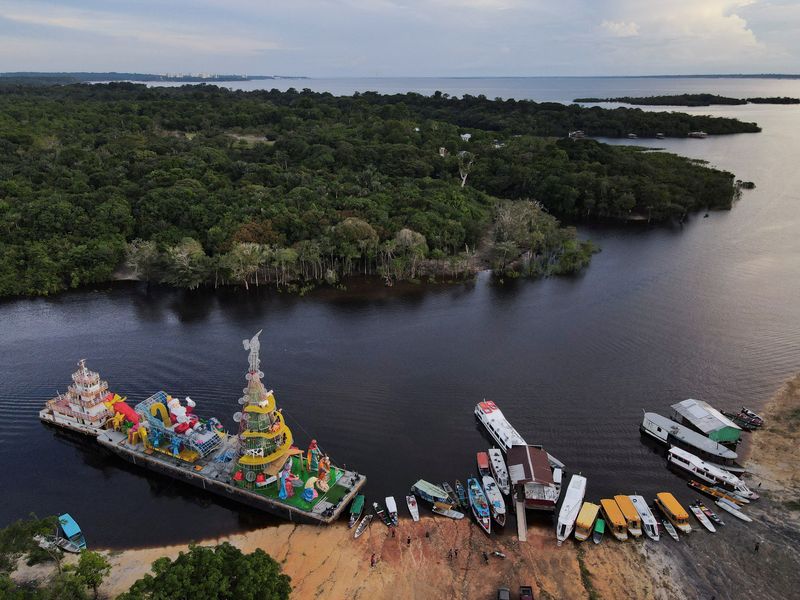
<point>324,468</point>
<point>312,458</point>
<point>309,493</point>
<point>182,416</point>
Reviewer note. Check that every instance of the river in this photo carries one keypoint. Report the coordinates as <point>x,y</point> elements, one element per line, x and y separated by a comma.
<point>386,379</point>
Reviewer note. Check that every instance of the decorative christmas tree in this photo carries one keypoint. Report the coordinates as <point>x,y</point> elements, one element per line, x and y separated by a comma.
<point>264,438</point>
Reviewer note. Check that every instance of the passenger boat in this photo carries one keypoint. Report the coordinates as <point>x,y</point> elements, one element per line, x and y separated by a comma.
<point>614,518</point>
<point>461,494</point>
<point>733,509</point>
<point>479,505</point>
<point>413,508</point>
<point>673,511</point>
<point>714,493</point>
<point>70,534</point>
<point>573,498</point>
<point>497,504</point>
<point>695,465</point>
<point>363,525</point>
<point>649,523</point>
<point>499,470</point>
<point>584,524</point>
<point>430,492</point>
<point>391,509</point>
<point>483,464</point>
<point>631,515</point>
<point>381,514</point>
<point>710,514</point>
<point>450,493</point>
<point>491,417</point>
<point>670,433</point>
<point>445,510</point>
<point>356,508</point>
<point>704,520</point>
<point>599,530</point>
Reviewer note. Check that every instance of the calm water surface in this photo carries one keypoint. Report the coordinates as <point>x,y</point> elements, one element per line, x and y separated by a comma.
<point>386,379</point>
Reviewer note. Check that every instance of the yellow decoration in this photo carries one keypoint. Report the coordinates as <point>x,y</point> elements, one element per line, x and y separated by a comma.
<point>159,408</point>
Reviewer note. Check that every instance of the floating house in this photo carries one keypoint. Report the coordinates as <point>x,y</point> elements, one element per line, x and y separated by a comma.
<point>707,420</point>
<point>535,482</point>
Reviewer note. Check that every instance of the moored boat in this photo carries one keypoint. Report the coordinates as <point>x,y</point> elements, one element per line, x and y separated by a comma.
<point>430,492</point>
<point>356,508</point>
<point>713,493</point>
<point>70,534</point>
<point>700,516</point>
<point>497,504</point>
<point>734,496</point>
<point>413,508</point>
<point>584,524</point>
<point>461,494</point>
<point>450,493</point>
<point>440,508</point>
<point>631,515</point>
<point>731,508</point>
<point>381,514</point>
<point>599,530</point>
<point>479,505</point>
<point>391,509</point>
<point>499,470</point>
<point>673,511</point>
<point>649,523</point>
<point>363,525</point>
<point>614,519</point>
<point>707,472</point>
<point>710,513</point>
<point>483,463</point>
<point>670,529</point>
<point>573,498</point>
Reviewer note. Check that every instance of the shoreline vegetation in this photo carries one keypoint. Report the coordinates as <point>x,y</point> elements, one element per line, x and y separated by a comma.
<point>690,100</point>
<point>203,186</point>
<point>328,562</point>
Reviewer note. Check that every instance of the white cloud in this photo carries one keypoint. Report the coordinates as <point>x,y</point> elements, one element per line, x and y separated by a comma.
<point>621,28</point>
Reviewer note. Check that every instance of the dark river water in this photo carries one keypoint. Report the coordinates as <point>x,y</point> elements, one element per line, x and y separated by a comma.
<point>386,379</point>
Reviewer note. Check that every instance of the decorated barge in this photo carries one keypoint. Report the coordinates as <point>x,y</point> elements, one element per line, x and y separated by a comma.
<point>259,465</point>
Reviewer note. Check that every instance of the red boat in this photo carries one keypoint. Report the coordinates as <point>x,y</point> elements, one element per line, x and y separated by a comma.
<point>483,464</point>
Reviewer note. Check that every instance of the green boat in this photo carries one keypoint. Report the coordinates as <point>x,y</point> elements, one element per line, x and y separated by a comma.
<point>356,508</point>
<point>599,530</point>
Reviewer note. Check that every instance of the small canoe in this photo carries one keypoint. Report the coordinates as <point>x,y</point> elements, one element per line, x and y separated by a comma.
<point>440,508</point>
<point>356,508</point>
<point>363,525</point>
<point>734,510</point>
<point>67,546</point>
<point>713,493</point>
<point>413,508</point>
<point>461,494</point>
<point>599,530</point>
<point>381,514</point>
<point>391,508</point>
<point>735,497</point>
<point>483,464</point>
<point>701,516</point>
<point>710,513</point>
<point>499,470</point>
<point>670,528</point>
<point>450,492</point>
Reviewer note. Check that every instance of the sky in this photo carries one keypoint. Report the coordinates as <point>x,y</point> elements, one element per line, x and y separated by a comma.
<point>396,38</point>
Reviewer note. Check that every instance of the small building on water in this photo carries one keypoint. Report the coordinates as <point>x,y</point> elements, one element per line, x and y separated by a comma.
<point>707,420</point>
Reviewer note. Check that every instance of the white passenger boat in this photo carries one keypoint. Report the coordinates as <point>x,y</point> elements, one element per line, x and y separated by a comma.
<point>649,523</point>
<point>570,507</point>
<point>499,470</point>
<point>709,473</point>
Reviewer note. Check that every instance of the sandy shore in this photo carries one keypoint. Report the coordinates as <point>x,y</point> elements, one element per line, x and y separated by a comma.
<point>326,561</point>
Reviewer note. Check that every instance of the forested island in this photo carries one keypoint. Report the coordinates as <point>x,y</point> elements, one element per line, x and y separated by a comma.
<point>64,77</point>
<point>691,100</point>
<point>200,185</point>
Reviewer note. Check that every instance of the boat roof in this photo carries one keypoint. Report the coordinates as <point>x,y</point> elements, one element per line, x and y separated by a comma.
<point>68,525</point>
<point>527,463</point>
<point>490,413</point>
<point>357,505</point>
<point>672,505</point>
<point>613,513</point>
<point>703,416</point>
<point>483,460</point>
<point>690,437</point>
<point>721,474</point>
<point>588,514</point>
<point>627,507</point>
<point>430,489</point>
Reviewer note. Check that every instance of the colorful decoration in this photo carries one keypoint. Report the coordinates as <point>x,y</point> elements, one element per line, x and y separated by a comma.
<point>181,416</point>
<point>324,468</point>
<point>312,457</point>
<point>309,493</point>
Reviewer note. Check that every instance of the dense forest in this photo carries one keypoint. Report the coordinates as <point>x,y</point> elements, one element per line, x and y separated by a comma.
<point>691,100</point>
<point>200,185</point>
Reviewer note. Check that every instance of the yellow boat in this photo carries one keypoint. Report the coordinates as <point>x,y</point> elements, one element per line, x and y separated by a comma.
<point>615,519</point>
<point>584,524</point>
<point>673,510</point>
<point>631,515</point>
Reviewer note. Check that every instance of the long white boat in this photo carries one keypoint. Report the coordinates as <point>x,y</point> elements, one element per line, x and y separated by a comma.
<point>570,507</point>
<point>497,503</point>
<point>733,509</point>
<point>499,470</point>
<point>491,417</point>
<point>704,520</point>
<point>709,473</point>
<point>391,508</point>
<point>649,523</point>
<point>671,433</point>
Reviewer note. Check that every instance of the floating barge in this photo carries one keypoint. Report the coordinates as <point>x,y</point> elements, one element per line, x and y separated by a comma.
<point>258,466</point>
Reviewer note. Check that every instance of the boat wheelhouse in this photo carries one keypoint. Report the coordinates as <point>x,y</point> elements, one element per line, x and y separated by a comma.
<point>614,518</point>
<point>431,493</point>
<point>82,407</point>
<point>669,432</point>
<point>535,482</point>
<point>649,523</point>
<point>631,515</point>
<point>584,524</point>
<point>707,420</point>
<point>573,499</point>
<point>709,473</point>
<point>673,511</point>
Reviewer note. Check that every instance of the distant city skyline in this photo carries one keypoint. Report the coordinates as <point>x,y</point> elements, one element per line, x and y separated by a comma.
<point>395,38</point>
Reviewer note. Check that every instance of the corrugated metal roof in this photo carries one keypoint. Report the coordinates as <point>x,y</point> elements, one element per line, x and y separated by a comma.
<point>526,463</point>
<point>703,416</point>
<point>691,437</point>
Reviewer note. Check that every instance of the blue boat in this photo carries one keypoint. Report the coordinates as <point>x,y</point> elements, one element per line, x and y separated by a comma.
<point>70,532</point>
<point>480,507</point>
